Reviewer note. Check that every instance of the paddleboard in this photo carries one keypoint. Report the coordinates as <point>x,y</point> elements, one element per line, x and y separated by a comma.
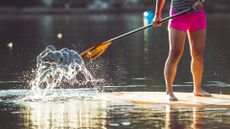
<point>185,99</point>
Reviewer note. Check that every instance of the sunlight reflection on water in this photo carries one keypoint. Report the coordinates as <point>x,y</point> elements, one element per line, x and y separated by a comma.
<point>86,108</point>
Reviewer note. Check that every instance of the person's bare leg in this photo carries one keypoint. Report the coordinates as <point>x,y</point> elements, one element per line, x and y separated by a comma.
<point>176,48</point>
<point>197,47</point>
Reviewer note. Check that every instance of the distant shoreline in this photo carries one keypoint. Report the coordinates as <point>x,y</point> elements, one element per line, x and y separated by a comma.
<point>55,11</point>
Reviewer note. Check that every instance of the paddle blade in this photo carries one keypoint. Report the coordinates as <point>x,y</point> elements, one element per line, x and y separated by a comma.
<point>96,51</point>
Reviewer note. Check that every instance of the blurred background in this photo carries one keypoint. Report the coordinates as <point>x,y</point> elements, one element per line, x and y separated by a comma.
<point>134,63</point>
<point>106,5</point>
<point>28,26</point>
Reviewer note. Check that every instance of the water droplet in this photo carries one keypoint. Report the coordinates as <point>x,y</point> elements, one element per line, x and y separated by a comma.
<point>126,123</point>
<point>114,124</point>
<point>10,45</point>
<point>59,35</point>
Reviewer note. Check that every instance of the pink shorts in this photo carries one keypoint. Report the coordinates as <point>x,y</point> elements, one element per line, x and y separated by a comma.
<point>190,22</point>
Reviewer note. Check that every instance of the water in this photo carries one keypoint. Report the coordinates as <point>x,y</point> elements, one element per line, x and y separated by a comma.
<point>73,108</point>
<point>60,67</point>
<point>134,63</point>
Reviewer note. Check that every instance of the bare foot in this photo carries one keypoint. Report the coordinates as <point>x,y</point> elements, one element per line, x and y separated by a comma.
<point>171,97</point>
<point>201,93</point>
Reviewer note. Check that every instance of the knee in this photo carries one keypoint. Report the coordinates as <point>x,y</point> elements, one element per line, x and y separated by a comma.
<point>197,55</point>
<point>175,54</point>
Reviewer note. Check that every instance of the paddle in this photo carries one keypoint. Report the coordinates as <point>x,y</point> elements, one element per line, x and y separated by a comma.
<point>96,51</point>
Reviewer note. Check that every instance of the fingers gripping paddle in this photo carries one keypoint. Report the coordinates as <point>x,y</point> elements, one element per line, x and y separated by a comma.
<point>98,50</point>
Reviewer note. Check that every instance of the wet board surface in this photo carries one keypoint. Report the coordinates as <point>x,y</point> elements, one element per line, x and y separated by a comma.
<point>185,99</point>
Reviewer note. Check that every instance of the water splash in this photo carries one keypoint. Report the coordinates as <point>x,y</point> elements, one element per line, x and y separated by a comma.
<point>60,68</point>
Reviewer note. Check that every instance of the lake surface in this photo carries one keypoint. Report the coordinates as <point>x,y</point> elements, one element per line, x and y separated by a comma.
<point>134,63</point>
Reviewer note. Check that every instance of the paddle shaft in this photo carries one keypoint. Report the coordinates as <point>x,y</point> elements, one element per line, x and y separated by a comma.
<point>150,25</point>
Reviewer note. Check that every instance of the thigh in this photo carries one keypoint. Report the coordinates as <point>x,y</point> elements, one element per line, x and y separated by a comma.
<point>197,41</point>
<point>176,40</point>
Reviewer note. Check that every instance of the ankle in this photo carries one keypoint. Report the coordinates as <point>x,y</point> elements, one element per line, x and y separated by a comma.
<point>197,88</point>
<point>169,92</point>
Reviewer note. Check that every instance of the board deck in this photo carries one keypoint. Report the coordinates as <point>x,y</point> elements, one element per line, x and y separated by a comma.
<point>185,99</point>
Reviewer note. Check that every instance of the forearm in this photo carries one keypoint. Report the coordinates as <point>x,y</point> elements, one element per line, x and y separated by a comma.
<point>159,7</point>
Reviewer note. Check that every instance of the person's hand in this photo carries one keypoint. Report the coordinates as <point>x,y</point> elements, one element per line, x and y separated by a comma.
<point>198,6</point>
<point>155,21</point>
